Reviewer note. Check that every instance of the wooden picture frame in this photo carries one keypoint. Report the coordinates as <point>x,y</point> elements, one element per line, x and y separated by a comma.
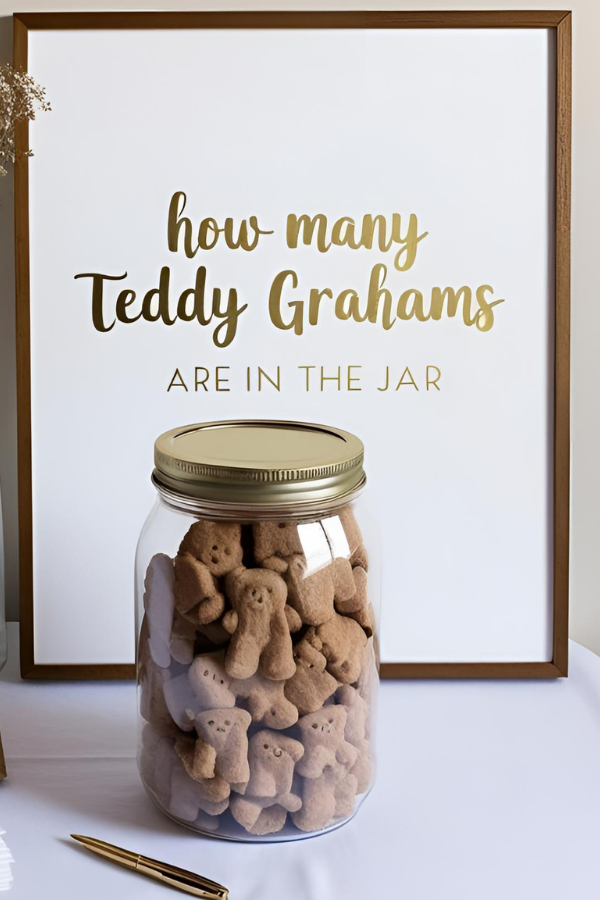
<point>557,21</point>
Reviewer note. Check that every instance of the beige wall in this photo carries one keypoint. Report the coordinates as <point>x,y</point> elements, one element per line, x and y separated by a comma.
<point>585,531</point>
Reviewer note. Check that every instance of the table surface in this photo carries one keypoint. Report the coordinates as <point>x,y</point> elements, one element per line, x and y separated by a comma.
<point>485,791</point>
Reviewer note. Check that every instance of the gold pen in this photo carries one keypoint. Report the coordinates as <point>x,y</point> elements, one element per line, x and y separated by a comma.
<point>171,875</point>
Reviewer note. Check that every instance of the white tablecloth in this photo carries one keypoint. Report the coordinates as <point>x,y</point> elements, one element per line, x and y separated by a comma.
<point>485,791</point>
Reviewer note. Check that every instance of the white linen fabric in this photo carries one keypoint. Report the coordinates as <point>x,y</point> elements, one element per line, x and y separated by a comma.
<point>484,790</point>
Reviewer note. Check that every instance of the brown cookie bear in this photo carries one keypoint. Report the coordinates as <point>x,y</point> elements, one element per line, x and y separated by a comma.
<point>210,683</point>
<point>357,714</point>
<point>342,642</point>
<point>367,681</point>
<point>266,701</point>
<point>365,619</point>
<point>215,789</point>
<point>272,757</point>
<point>208,551</point>
<point>189,798</point>
<point>275,543</point>
<point>311,684</point>
<point>354,600</point>
<point>204,685</point>
<point>345,792</point>
<point>269,820</point>
<point>259,626</point>
<point>155,759</point>
<point>326,798</point>
<point>359,608</point>
<point>322,734</point>
<point>358,552</point>
<point>311,595</point>
<point>355,732</point>
<point>217,545</point>
<point>197,596</point>
<point>344,584</point>
<point>222,745</point>
<point>363,614</point>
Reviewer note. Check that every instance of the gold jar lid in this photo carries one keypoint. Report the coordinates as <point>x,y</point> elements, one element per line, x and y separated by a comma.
<point>262,463</point>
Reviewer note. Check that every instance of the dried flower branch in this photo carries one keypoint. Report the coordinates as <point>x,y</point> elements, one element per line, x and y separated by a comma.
<point>20,98</point>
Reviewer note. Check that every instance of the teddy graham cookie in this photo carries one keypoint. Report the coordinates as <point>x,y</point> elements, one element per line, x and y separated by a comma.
<point>259,625</point>
<point>268,796</point>
<point>208,551</point>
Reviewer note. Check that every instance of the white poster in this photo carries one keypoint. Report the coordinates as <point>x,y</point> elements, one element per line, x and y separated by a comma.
<point>342,226</point>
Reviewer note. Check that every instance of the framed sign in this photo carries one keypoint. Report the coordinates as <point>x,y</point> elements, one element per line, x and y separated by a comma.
<point>348,217</point>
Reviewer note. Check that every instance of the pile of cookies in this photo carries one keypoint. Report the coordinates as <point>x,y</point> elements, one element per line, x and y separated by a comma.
<point>256,667</point>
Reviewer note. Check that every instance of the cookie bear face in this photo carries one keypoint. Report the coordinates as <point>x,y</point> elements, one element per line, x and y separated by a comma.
<point>216,726</point>
<point>210,683</point>
<point>269,744</point>
<point>308,657</point>
<point>325,726</point>
<point>216,544</point>
<point>322,734</point>
<point>222,745</point>
<point>274,542</point>
<point>257,592</point>
<point>272,757</point>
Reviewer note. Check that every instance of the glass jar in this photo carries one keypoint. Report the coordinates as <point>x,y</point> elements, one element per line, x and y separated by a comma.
<point>257,589</point>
